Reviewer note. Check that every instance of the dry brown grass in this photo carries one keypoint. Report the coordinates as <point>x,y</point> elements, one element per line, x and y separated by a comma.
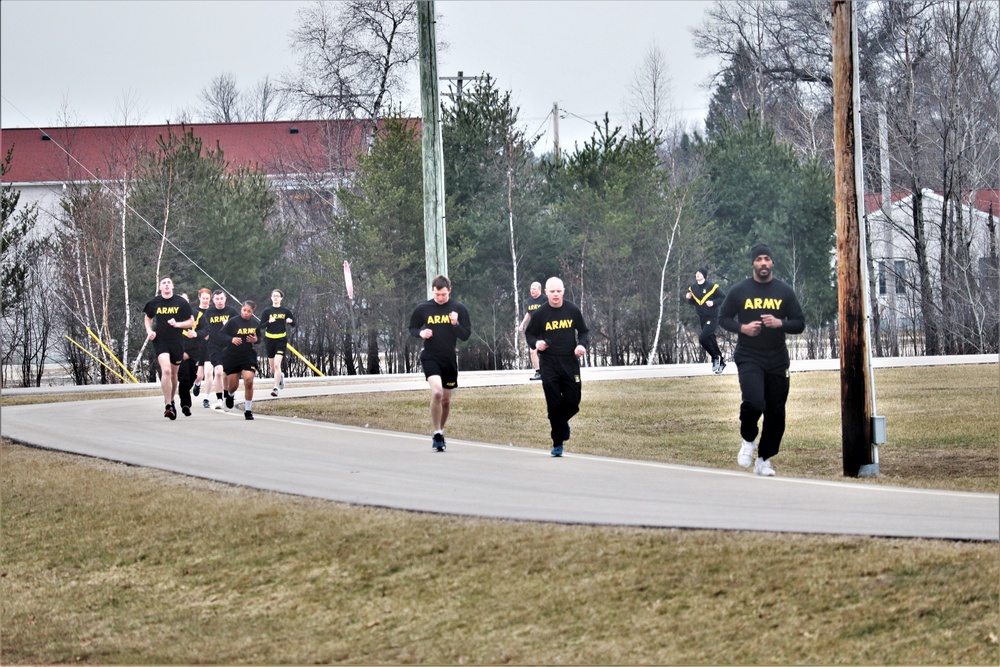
<point>111,564</point>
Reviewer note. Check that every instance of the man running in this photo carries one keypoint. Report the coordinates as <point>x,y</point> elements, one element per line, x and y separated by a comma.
<point>560,335</point>
<point>166,315</point>
<point>440,322</point>
<point>706,298</point>
<point>217,315</point>
<point>762,310</point>
<point>534,303</point>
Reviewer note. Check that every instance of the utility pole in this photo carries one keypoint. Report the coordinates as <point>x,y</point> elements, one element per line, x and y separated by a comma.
<point>435,241</point>
<point>857,396</point>
<point>555,132</point>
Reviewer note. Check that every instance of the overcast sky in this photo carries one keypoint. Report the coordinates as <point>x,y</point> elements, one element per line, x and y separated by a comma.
<point>88,58</point>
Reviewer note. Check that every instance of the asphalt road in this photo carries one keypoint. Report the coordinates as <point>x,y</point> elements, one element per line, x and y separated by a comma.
<point>397,470</point>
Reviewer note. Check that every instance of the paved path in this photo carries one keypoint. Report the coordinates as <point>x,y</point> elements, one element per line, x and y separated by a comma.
<point>386,469</point>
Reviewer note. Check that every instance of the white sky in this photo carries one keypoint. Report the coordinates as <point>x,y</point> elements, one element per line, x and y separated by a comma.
<point>85,59</point>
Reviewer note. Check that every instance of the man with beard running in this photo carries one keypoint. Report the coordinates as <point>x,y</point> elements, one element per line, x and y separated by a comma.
<point>762,310</point>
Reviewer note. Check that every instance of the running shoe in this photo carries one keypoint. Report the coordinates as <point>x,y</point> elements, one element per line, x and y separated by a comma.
<point>196,389</point>
<point>721,367</point>
<point>218,404</point>
<point>247,415</point>
<point>763,468</point>
<point>274,392</point>
<point>536,376</point>
<point>186,409</point>
<point>437,442</point>
<point>205,403</point>
<point>281,384</point>
<point>170,412</point>
<point>745,457</point>
<point>230,400</point>
<point>556,451</point>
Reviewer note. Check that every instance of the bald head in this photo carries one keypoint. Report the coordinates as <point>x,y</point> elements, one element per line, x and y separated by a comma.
<point>555,290</point>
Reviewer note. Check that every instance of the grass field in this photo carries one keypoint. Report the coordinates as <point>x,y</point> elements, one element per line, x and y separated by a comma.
<point>111,564</point>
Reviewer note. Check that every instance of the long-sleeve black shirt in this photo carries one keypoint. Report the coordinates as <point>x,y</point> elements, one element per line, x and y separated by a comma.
<point>561,328</point>
<point>745,303</point>
<point>436,317</point>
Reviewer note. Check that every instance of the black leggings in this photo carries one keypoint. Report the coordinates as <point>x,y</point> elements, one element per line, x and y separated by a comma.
<point>763,394</point>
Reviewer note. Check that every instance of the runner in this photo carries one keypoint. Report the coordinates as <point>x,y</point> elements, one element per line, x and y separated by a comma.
<point>240,357</point>
<point>275,320</point>
<point>165,315</point>
<point>441,322</point>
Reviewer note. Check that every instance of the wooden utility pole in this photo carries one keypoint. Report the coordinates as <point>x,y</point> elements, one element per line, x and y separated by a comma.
<point>856,394</point>
<point>435,242</point>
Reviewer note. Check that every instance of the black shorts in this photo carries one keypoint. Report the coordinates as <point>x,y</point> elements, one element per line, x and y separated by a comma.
<point>232,366</point>
<point>173,347</point>
<point>275,346</point>
<point>446,368</point>
<point>217,355</point>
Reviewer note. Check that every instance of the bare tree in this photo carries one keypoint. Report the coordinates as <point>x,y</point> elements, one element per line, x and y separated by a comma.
<point>353,56</point>
<point>649,94</point>
<point>265,101</point>
<point>220,100</point>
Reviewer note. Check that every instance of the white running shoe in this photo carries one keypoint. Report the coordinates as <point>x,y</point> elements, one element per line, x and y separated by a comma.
<point>763,468</point>
<point>218,404</point>
<point>745,457</point>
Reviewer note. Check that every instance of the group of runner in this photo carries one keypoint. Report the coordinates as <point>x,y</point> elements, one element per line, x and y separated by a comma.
<point>216,347</point>
<point>760,310</point>
<point>213,346</point>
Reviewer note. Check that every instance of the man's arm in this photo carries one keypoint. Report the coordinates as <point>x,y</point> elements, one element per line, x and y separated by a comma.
<point>728,312</point>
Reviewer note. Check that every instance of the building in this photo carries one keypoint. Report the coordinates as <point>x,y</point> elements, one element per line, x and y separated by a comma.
<point>964,247</point>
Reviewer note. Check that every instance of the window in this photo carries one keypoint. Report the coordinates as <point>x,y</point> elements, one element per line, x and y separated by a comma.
<point>881,276</point>
<point>899,266</point>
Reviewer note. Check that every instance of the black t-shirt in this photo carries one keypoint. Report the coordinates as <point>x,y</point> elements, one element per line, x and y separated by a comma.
<point>536,302</point>
<point>216,319</point>
<point>161,310</point>
<point>561,328</point>
<point>278,328</point>
<point>434,316</point>
<point>237,327</point>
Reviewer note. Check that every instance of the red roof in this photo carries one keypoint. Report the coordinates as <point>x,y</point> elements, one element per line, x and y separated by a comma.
<point>987,201</point>
<point>281,148</point>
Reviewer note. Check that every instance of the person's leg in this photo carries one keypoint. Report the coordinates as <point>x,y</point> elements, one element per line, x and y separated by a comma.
<point>167,377</point>
<point>221,380</point>
<point>534,359</point>
<point>752,390</point>
<point>773,427</point>
<point>709,341</point>
<point>276,368</point>
<point>186,373</point>
<point>552,387</point>
<point>248,378</point>
<point>440,402</point>
<point>208,376</point>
